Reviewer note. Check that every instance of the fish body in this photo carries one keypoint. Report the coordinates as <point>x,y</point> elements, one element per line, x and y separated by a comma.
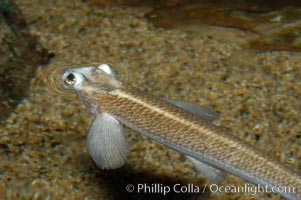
<point>208,146</point>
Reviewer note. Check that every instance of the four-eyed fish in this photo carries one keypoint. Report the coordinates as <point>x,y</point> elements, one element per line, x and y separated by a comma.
<point>183,126</point>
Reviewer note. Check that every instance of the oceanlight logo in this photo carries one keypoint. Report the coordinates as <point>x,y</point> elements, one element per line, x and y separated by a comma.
<point>159,188</point>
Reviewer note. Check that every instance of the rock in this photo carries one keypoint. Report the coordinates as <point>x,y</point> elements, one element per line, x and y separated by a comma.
<point>20,55</point>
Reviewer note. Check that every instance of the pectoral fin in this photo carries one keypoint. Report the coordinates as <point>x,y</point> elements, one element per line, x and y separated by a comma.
<point>212,174</point>
<point>106,142</point>
<point>203,112</point>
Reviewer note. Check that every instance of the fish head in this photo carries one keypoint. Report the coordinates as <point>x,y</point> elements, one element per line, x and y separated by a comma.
<point>90,79</point>
<point>90,83</point>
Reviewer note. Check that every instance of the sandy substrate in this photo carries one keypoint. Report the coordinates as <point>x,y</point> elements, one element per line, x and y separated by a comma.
<point>43,143</point>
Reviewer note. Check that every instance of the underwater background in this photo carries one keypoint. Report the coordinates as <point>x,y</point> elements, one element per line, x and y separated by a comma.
<point>242,59</point>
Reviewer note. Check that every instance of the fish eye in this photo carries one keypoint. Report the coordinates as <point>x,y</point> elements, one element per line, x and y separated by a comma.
<point>70,79</point>
<point>73,79</point>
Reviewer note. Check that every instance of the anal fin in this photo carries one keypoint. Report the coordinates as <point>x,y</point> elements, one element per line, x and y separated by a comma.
<point>214,175</point>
